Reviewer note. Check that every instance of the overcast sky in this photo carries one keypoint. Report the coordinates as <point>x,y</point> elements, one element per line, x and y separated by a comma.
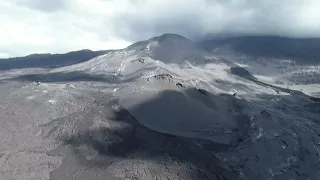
<point>38,26</point>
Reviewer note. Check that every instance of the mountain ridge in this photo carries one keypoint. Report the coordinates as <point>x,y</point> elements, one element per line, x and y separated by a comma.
<point>49,60</point>
<point>266,46</point>
<point>300,49</point>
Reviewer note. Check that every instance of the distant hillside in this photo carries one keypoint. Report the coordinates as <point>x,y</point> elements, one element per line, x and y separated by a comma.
<point>48,60</point>
<point>301,49</point>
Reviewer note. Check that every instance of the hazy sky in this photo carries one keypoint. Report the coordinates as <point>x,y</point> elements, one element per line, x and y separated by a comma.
<point>38,26</point>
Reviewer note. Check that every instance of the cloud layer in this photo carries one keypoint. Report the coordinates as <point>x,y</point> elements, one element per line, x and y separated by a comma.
<point>37,26</point>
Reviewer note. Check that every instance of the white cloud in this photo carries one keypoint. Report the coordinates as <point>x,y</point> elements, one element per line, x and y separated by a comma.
<point>35,26</point>
<point>77,25</point>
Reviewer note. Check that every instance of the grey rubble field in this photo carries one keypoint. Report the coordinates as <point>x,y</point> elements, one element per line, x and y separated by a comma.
<point>159,109</point>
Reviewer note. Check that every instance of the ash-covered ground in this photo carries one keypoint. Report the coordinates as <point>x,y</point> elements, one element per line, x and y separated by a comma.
<point>140,115</point>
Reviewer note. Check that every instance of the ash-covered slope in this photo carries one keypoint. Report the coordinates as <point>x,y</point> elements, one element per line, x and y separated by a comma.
<point>281,61</point>
<point>170,48</point>
<point>170,64</point>
<point>168,53</point>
